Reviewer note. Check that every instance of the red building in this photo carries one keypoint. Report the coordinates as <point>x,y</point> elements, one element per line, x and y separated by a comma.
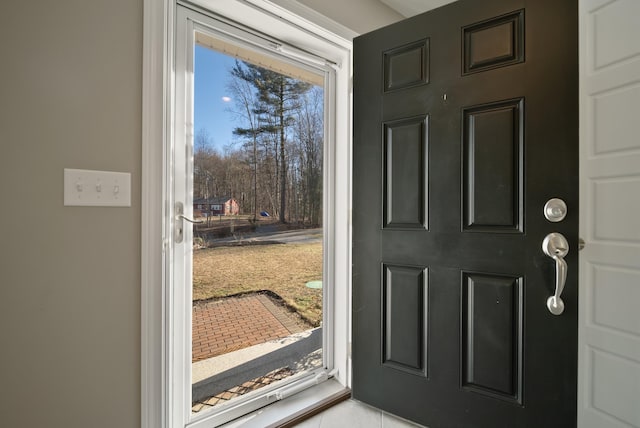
<point>215,206</point>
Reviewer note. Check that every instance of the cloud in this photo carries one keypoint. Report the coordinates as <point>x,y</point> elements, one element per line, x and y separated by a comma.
<point>226,99</point>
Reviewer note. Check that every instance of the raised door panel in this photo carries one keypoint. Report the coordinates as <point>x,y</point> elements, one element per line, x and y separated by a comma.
<point>494,43</point>
<point>493,173</point>
<point>492,335</point>
<point>404,331</point>
<point>406,66</point>
<point>405,173</point>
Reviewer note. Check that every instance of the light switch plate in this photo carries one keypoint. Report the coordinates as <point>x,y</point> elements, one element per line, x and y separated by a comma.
<point>96,188</point>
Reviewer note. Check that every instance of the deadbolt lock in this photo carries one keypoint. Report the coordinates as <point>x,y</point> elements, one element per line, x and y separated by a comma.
<point>555,210</point>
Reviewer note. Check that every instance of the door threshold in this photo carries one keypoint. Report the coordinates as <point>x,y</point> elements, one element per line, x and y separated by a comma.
<point>312,410</point>
<point>296,408</point>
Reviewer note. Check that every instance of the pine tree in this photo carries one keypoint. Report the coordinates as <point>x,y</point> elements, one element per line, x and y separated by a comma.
<point>278,98</point>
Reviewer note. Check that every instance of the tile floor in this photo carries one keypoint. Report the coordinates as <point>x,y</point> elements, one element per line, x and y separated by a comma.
<point>353,414</point>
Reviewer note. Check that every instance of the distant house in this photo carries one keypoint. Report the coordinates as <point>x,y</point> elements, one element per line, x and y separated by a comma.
<point>215,206</point>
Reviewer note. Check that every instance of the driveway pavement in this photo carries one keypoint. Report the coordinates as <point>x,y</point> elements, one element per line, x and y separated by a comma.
<point>302,236</point>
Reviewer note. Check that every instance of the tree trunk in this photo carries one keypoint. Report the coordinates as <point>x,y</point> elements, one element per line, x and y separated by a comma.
<point>283,163</point>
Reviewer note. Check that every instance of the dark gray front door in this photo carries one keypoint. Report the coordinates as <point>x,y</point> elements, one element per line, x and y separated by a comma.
<point>465,125</point>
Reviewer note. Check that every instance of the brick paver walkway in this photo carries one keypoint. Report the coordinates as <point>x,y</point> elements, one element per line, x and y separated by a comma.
<point>234,323</point>
<point>236,391</point>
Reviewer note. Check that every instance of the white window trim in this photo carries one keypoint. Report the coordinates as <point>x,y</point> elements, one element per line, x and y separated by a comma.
<point>158,48</point>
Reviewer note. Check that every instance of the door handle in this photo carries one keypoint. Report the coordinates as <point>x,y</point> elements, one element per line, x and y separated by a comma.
<point>179,225</point>
<point>185,218</point>
<point>555,245</point>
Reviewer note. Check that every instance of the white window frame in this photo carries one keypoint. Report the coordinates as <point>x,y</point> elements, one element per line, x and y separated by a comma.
<point>159,407</point>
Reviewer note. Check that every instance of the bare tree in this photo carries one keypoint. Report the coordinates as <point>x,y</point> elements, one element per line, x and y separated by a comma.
<point>245,100</point>
<point>309,138</point>
<point>204,159</point>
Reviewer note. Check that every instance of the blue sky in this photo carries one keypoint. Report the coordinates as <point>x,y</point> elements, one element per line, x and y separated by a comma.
<point>211,74</point>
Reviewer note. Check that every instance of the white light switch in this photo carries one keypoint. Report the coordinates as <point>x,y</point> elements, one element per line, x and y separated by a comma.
<point>96,188</point>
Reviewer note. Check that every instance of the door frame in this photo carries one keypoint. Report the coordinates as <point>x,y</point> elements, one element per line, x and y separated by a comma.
<point>308,33</point>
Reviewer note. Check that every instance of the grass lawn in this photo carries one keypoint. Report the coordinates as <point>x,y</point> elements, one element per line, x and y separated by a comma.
<point>283,269</point>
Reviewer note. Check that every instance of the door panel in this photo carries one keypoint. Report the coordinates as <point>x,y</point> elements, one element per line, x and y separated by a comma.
<point>404,311</point>
<point>610,214</point>
<point>496,42</point>
<point>492,335</point>
<point>465,124</point>
<point>406,148</point>
<point>492,193</point>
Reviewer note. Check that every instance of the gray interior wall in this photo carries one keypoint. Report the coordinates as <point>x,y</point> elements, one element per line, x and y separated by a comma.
<point>70,97</point>
<point>360,16</point>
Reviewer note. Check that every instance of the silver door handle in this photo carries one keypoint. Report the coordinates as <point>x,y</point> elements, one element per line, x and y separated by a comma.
<point>184,217</point>
<point>555,245</point>
<point>178,234</point>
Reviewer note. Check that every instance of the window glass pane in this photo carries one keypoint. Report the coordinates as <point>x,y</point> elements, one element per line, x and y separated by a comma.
<point>258,255</point>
